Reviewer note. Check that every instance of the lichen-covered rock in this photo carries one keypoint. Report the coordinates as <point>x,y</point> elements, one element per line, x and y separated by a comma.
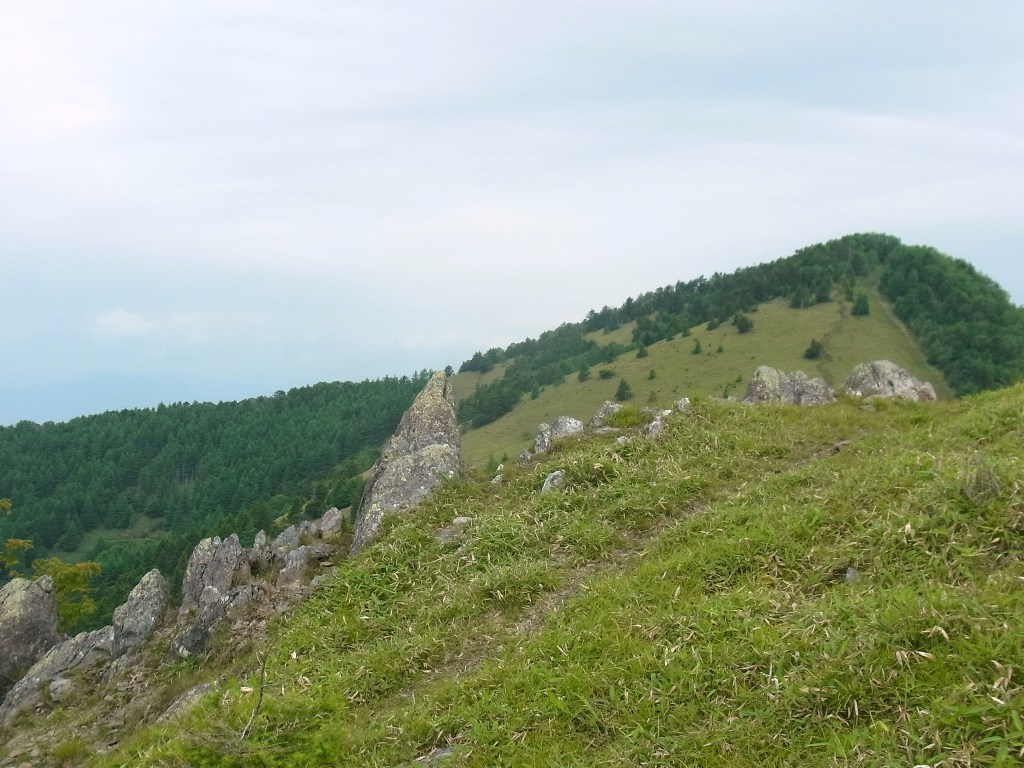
<point>211,571</point>
<point>683,405</point>
<point>28,627</point>
<point>135,619</point>
<point>770,385</point>
<point>423,452</point>
<point>600,416</point>
<point>85,650</point>
<point>563,426</point>
<point>883,378</point>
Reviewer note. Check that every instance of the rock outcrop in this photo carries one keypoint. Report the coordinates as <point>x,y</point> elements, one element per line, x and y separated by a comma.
<point>28,627</point>
<point>601,415</point>
<point>563,426</point>
<point>223,579</point>
<point>85,651</point>
<point>423,452</point>
<point>136,618</point>
<point>770,385</point>
<point>211,571</point>
<point>884,378</point>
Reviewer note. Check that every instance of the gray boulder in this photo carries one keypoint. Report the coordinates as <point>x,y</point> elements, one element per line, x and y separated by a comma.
<point>136,618</point>
<point>884,378</point>
<point>600,416</point>
<point>331,523</point>
<point>423,452</point>
<point>770,385</point>
<point>211,571</point>
<point>286,540</point>
<point>563,426</point>
<point>84,651</point>
<point>28,627</point>
<point>657,423</point>
<point>555,480</point>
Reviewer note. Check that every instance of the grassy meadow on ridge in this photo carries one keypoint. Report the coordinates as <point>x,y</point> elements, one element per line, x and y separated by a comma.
<point>758,586</point>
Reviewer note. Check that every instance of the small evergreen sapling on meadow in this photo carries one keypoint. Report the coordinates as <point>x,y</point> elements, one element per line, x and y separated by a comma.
<point>861,306</point>
<point>624,392</point>
<point>815,350</point>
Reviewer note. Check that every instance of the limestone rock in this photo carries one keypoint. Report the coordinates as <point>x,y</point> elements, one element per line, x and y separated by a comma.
<point>331,523</point>
<point>683,405</point>
<point>135,619</point>
<point>884,378</point>
<point>554,480</point>
<point>563,426</point>
<point>770,385</point>
<point>296,562</point>
<point>601,415</point>
<point>84,650</point>
<point>286,540</point>
<point>261,556</point>
<point>211,571</point>
<point>197,628</point>
<point>28,627</point>
<point>423,452</point>
<point>657,423</point>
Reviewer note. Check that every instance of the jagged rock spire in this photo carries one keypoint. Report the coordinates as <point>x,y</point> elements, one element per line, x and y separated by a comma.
<point>423,452</point>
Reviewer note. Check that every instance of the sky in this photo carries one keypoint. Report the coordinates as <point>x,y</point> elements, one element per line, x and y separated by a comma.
<point>216,200</point>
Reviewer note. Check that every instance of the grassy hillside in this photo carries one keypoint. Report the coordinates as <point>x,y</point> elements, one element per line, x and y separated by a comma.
<point>779,338</point>
<point>759,586</point>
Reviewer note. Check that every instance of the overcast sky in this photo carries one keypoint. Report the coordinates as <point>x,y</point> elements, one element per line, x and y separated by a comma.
<point>214,200</point>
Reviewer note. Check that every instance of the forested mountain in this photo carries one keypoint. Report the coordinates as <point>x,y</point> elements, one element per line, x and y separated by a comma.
<point>965,322</point>
<point>136,489</point>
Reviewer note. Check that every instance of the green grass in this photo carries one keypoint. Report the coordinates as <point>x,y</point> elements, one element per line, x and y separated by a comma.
<point>779,338</point>
<point>759,586</point>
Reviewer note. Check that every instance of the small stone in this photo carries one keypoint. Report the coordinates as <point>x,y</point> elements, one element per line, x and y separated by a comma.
<point>554,480</point>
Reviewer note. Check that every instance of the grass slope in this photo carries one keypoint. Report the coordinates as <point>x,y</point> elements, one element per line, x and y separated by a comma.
<point>779,338</point>
<point>759,586</point>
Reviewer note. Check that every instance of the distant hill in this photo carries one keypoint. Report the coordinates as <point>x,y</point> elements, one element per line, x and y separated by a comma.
<point>862,297</point>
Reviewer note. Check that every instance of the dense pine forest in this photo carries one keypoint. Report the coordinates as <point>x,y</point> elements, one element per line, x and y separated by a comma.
<point>136,489</point>
<point>964,321</point>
